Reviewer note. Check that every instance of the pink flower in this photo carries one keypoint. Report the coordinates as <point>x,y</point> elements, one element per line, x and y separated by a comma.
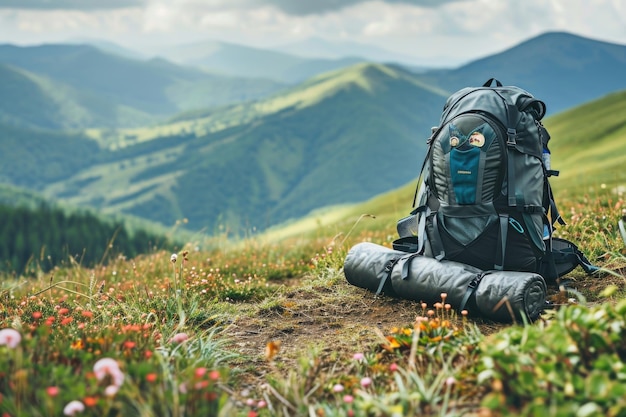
<point>348,399</point>
<point>52,391</point>
<point>338,388</point>
<point>111,390</point>
<point>261,404</point>
<point>393,367</point>
<point>179,338</point>
<point>358,356</point>
<point>108,366</point>
<point>10,337</point>
<point>366,382</point>
<point>73,407</point>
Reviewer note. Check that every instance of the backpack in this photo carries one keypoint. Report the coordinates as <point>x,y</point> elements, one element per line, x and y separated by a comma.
<point>483,196</point>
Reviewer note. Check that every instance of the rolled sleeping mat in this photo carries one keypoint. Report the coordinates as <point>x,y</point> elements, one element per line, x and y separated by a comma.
<point>498,295</point>
<point>368,265</point>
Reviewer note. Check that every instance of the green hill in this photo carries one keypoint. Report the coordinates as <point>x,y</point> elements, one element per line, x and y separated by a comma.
<point>563,69</point>
<point>338,138</point>
<point>82,86</point>
<point>589,144</point>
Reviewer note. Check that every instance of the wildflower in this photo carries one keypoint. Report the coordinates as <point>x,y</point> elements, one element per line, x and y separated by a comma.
<point>393,367</point>
<point>10,337</point>
<point>450,381</point>
<point>90,401</point>
<point>111,390</point>
<point>214,375</point>
<point>358,356</point>
<point>179,338</point>
<point>37,315</point>
<point>348,399</point>
<point>261,404</point>
<point>66,320</point>
<point>151,377</point>
<point>366,382</point>
<point>108,366</point>
<point>338,388</point>
<point>271,349</point>
<point>77,345</point>
<point>63,311</point>
<point>199,372</point>
<point>73,407</point>
<point>444,296</point>
<point>52,391</point>
<point>173,258</point>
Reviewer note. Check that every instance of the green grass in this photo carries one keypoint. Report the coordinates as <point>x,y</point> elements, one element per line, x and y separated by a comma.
<point>269,326</point>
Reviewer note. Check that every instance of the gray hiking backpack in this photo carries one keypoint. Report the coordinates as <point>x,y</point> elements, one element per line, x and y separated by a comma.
<point>483,196</point>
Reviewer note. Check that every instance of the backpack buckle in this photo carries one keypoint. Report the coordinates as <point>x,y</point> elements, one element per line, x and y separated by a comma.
<point>511,133</point>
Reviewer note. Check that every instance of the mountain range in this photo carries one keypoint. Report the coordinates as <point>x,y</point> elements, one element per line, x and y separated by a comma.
<point>78,86</point>
<point>140,144</point>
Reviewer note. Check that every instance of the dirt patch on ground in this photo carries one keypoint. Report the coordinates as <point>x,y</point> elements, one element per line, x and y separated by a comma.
<point>334,319</point>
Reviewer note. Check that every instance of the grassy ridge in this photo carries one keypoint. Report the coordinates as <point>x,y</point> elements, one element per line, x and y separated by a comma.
<point>589,144</point>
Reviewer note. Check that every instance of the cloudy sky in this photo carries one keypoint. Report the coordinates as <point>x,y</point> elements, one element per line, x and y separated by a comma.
<point>446,31</point>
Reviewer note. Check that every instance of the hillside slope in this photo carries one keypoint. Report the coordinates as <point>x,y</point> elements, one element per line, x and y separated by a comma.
<point>588,144</point>
<point>244,61</point>
<point>339,138</point>
<point>91,88</point>
<point>562,69</point>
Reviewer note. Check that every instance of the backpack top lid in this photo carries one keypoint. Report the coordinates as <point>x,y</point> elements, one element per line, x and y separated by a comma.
<point>490,99</point>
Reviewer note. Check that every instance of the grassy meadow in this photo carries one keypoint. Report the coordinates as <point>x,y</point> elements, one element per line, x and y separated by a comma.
<point>269,326</point>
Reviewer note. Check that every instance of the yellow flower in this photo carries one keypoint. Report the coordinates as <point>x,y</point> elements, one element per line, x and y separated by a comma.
<point>78,344</point>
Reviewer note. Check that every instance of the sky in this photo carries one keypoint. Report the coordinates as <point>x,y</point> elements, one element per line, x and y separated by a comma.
<point>443,32</point>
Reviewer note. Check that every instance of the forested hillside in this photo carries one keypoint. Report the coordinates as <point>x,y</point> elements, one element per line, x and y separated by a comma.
<point>38,239</point>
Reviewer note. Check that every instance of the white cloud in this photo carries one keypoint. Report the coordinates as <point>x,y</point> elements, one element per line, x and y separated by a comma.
<point>459,30</point>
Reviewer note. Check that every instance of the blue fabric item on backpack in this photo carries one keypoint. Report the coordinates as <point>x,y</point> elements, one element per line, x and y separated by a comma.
<point>464,174</point>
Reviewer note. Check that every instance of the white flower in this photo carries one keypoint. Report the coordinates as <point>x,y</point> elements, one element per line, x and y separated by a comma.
<point>10,337</point>
<point>73,407</point>
<point>108,366</point>
<point>111,390</point>
<point>173,258</point>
